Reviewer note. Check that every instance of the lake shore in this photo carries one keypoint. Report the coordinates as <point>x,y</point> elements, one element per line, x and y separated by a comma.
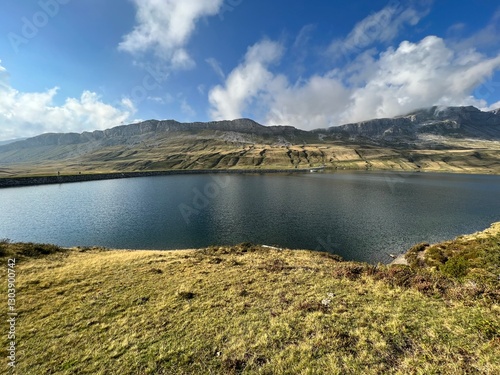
<point>20,181</point>
<point>253,309</point>
<point>6,182</point>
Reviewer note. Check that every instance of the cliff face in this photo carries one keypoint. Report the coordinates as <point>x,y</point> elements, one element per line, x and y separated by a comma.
<point>461,122</point>
<point>377,144</point>
<point>151,128</point>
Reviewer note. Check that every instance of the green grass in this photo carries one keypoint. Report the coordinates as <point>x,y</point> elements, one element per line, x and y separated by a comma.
<point>245,310</point>
<point>474,258</point>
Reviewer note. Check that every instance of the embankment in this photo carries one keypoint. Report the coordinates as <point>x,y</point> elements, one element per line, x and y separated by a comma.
<point>45,180</point>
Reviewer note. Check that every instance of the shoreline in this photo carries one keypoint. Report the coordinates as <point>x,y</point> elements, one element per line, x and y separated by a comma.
<point>400,259</point>
<point>23,181</point>
<point>7,182</point>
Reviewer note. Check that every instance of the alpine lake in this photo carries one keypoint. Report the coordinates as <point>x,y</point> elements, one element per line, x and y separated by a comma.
<point>363,216</point>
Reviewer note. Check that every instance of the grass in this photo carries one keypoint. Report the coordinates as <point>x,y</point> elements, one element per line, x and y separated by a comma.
<point>245,310</point>
<point>206,151</point>
<point>474,258</point>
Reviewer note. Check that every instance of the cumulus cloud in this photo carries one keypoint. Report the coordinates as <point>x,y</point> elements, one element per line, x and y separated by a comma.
<point>315,103</point>
<point>493,107</point>
<point>419,75</point>
<point>165,26</point>
<point>246,82</point>
<point>24,114</point>
<point>395,82</point>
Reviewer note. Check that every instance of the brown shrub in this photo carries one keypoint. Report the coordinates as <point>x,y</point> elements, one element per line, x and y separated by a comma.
<point>348,271</point>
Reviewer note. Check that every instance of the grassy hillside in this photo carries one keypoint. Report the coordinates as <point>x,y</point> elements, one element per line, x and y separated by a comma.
<point>223,151</point>
<point>253,310</point>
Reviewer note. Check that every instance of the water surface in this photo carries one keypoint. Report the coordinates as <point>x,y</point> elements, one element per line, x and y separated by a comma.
<point>359,215</point>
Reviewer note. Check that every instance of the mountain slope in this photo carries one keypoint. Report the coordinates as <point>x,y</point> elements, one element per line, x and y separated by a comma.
<point>126,134</point>
<point>453,122</point>
<point>458,139</point>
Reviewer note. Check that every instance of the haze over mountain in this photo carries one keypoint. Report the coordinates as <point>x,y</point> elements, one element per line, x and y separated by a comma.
<point>461,132</point>
<point>11,141</point>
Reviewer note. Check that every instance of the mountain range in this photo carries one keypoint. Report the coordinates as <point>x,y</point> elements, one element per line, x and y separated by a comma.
<point>435,139</point>
<point>454,122</point>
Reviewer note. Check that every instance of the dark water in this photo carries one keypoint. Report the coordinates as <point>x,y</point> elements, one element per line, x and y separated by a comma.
<point>360,216</point>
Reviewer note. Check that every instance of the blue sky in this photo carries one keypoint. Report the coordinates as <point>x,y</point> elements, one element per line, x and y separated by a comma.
<point>75,65</point>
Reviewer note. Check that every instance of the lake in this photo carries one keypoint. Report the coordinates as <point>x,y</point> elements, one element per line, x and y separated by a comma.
<point>358,215</point>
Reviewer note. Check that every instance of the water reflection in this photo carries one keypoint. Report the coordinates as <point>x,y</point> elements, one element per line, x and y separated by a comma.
<point>360,216</point>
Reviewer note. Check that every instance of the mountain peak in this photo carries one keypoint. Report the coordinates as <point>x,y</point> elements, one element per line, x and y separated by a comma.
<point>461,122</point>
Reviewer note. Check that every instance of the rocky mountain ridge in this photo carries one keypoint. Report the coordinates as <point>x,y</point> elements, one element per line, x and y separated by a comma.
<point>456,122</point>
<point>456,139</point>
<point>151,128</point>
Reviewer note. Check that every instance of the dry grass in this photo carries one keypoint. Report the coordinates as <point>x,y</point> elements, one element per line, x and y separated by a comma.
<point>243,309</point>
<point>182,151</point>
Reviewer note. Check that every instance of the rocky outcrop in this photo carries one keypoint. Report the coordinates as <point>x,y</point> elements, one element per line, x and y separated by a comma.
<point>120,134</point>
<point>443,121</point>
<point>122,142</point>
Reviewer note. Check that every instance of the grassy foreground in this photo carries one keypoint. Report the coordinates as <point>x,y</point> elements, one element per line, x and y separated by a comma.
<point>253,310</point>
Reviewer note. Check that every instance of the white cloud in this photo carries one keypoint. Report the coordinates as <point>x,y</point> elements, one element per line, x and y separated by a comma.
<point>494,106</point>
<point>419,75</point>
<point>215,65</point>
<point>316,103</point>
<point>24,114</point>
<point>304,36</point>
<point>395,82</point>
<point>382,26</point>
<point>246,81</point>
<point>187,110</point>
<point>165,26</point>
<point>4,76</point>
<point>484,38</point>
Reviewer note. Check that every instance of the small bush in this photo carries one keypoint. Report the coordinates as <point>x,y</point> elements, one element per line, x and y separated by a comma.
<point>4,247</point>
<point>313,306</point>
<point>455,267</point>
<point>246,246</point>
<point>413,255</point>
<point>156,271</point>
<point>348,271</point>
<point>34,250</point>
<point>334,257</point>
<point>240,249</point>
<point>235,366</point>
<point>276,265</point>
<point>141,300</point>
<point>488,329</point>
<point>423,284</point>
<point>401,276</point>
<point>27,250</point>
<point>186,295</point>
<point>435,257</point>
<point>467,291</point>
